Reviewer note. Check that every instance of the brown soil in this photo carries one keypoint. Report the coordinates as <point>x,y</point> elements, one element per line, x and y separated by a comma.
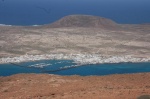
<point>44,86</point>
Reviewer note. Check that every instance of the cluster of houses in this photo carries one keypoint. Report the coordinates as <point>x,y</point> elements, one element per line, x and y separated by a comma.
<point>77,58</point>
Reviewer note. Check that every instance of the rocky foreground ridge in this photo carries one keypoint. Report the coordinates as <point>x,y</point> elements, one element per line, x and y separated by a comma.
<point>44,86</point>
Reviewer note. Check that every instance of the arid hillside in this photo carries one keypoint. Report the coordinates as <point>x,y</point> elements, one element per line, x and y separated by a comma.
<point>44,86</point>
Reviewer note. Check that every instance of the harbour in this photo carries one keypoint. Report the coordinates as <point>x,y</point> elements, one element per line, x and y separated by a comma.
<point>69,67</point>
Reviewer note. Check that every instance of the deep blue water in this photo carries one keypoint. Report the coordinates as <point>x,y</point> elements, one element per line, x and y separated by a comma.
<point>38,12</point>
<point>97,69</point>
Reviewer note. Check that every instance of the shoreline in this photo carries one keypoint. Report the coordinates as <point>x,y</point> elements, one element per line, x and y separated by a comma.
<point>81,59</point>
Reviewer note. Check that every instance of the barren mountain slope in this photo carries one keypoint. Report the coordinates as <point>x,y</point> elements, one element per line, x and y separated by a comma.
<point>84,21</point>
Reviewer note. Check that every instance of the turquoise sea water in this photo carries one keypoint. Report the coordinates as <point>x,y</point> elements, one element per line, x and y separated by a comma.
<point>86,70</point>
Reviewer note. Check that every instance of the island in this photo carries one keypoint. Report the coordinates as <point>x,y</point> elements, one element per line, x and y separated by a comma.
<point>85,39</point>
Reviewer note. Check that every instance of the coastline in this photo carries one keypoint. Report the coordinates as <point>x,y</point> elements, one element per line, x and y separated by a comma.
<point>81,59</point>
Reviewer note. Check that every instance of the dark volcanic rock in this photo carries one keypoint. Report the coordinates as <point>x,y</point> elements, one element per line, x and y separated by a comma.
<point>144,97</point>
<point>84,21</point>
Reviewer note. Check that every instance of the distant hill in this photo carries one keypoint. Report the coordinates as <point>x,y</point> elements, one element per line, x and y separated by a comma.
<point>83,21</point>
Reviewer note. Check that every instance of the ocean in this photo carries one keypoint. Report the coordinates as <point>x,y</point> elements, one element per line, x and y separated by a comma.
<point>57,67</point>
<point>39,12</point>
